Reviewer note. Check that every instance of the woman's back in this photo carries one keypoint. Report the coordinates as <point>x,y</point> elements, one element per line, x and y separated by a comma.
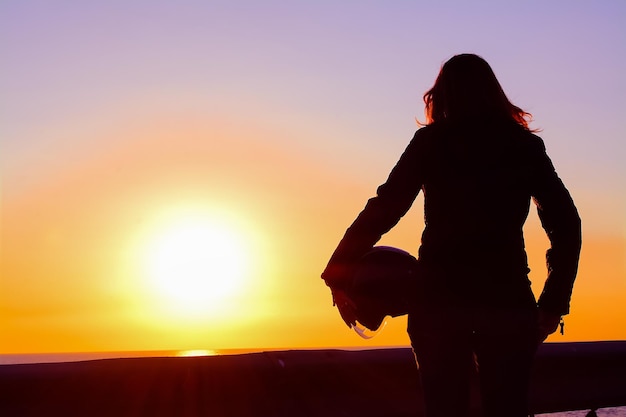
<point>477,181</point>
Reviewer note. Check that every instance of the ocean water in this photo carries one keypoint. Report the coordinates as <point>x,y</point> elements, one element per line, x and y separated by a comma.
<point>9,359</point>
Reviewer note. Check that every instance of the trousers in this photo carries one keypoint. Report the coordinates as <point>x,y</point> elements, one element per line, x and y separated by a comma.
<point>451,344</point>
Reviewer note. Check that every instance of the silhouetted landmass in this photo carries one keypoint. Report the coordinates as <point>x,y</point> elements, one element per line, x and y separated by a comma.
<point>327,383</point>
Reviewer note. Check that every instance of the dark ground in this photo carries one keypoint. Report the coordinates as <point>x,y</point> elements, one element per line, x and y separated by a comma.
<point>369,383</point>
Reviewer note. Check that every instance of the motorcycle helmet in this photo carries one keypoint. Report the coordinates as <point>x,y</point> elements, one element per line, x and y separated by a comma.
<point>383,285</point>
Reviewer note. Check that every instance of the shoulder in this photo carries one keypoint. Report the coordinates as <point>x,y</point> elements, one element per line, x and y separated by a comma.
<point>532,141</point>
<point>436,128</point>
<point>430,133</point>
<point>424,142</point>
<point>536,141</point>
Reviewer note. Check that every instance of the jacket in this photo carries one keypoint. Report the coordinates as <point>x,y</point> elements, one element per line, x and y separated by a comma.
<point>478,181</point>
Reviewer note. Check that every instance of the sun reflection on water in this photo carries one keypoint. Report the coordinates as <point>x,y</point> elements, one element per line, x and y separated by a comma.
<point>197,352</point>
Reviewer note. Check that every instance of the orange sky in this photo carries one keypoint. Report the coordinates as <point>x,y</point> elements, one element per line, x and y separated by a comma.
<point>71,264</point>
<point>276,122</point>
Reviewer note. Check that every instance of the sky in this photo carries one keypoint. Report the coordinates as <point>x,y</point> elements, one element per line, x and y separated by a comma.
<point>175,175</point>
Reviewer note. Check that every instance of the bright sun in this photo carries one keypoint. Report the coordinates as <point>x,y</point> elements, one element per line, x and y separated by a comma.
<point>196,264</point>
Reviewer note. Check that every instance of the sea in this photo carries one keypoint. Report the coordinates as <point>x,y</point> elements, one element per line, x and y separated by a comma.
<point>10,359</point>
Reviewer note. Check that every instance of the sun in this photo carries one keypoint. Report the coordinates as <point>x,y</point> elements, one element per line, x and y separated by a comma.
<point>197,264</point>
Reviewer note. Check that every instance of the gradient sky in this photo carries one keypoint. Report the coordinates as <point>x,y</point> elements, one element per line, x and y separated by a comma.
<point>277,120</point>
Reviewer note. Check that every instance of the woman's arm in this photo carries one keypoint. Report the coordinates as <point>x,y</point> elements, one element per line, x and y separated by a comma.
<point>382,212</point>
<point>562,224</point>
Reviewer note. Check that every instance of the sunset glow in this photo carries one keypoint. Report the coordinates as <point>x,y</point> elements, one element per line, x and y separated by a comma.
<point>176,175</point>
<point>197,264</point>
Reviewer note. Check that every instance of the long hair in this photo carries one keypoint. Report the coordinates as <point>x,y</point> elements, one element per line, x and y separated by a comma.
<point>467,89</point>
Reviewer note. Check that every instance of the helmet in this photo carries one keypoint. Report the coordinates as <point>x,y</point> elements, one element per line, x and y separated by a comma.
<point>383,284</point>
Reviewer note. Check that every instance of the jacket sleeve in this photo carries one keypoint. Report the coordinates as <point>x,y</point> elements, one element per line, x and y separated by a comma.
<point>381,213</point>
<point>561,222</point>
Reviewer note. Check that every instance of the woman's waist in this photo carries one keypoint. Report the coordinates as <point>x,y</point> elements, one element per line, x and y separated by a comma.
<point>497,257</point>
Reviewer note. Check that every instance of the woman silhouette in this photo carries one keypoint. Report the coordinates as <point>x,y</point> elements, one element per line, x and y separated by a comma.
<point>478,165</point>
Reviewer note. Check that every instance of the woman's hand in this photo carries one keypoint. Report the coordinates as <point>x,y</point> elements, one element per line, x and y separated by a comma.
<point>547,323</point>
<point>347,308</point>
<point>338,275</point>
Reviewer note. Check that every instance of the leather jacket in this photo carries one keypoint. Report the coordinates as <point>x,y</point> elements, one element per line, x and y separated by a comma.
<point>478,181</point>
